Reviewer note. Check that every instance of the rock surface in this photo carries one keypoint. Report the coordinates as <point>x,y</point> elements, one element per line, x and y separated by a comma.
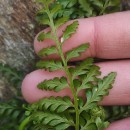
<point>17,27</point>
<point>16,32</point>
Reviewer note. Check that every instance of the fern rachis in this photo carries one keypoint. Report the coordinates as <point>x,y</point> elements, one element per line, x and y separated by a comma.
<point>63,113</point>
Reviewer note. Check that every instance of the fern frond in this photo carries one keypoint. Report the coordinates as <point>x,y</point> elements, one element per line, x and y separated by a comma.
<point>42,36</point>
<point>13,76</point>
<point>43,127</point>
<point>51,65</point>
<point>56,84</point>
<point>46,2</point>
<point>59,122</point>
<point>76,51</point>
<point>11,108</point>
<point>82,68</point>
<point>99,91</point>
<point>47,51</point>
<point>56,9</point>
<point>64,113</point>
<point>61,21</point>
<point>95,124</point>
<point>91,76</point>
<point>11,114</point>
<point>114,113</point>
<point>70,30</point>
<point>67,3</point>
<point>86,6</point>
<point>57,104</point>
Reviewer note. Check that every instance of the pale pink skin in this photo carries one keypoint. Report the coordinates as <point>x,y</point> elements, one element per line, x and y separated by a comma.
<point>109,38</point>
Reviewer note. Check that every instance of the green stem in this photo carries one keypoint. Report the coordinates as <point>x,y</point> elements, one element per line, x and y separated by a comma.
<point>59,48</point>
<point>24,123</point>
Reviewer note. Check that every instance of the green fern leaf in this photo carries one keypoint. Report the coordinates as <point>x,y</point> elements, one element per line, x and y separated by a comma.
<point>57,104</point>
<point>95,124</point>
<point>64,3</point>
<point>98,92</point>
<point>89,77</point>
<point>84,117</point>
<point>99,4</point>
<point>82,68</point>
<point>57,8</point>
<point>50,65</point>
<point>114,113</point>
<point>42,36</point>
<point>42,127</point>
<point>61,21</point>
<point>42,11</point>
<point>83,76</point>
<point>11,72</point>
<point>101,124</point>
<point>76,51</point>
<point>86,6</point>
<point>115,3</point>
<point>47,51</point>
<point>46,2</point>
<point>44,21</point>
<point>11,112</point>
<point>89,126</point>
<point>59,122</point>
<point>72,3</point>
<point>13,76</point>
<point>56,84</point>
<point>70,29</point>
<point>67,3</point>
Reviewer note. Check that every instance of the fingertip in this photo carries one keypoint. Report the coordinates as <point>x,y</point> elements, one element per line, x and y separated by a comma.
<point>121,85</point>
<point>29,86</point>
<point>29,89</point>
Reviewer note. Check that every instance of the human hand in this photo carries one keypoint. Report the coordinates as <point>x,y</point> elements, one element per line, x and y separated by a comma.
<point>109,38</point>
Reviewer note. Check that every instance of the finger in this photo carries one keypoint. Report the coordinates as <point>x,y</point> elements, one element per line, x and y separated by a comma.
<point>119,94</point>
<point>123,124</point>
<point>108,35</point>
<point>29,86</point>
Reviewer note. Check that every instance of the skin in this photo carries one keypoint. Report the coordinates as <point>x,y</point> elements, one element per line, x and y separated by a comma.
<point>109,38</point>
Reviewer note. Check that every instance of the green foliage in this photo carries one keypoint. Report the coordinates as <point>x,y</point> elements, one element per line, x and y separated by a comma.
<point>116,112</point>
<point>57,104</point>
<point>57,113</point>
<point>42,36</point>
<point>70,29</point>
<point>47,51</point>
<point>76,51</point>
<point>95,118</point>
<point>87,83</point>
<point>51,65</point>
<point>61,21</point>
<point>96,94</point>
<point>56,84</point>
<point>82,8</point>
<point>13,75</point>
<point>61,113</point>
<point>59,122</point>
<point>82,68</point>
<point>11,114</point>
